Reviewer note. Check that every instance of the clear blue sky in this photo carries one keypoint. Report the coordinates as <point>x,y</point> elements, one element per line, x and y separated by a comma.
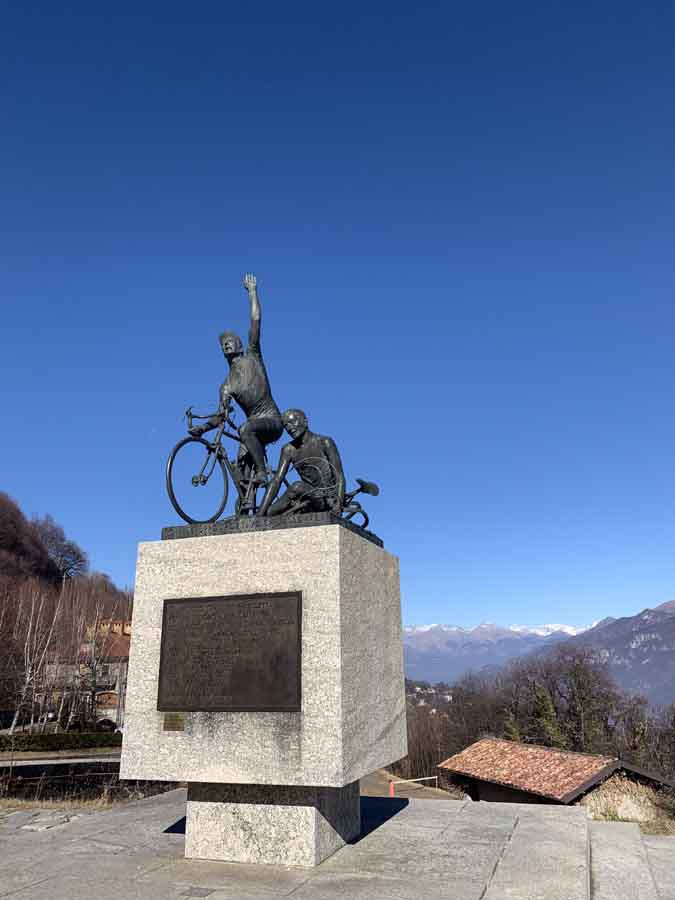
<point>461,217</point>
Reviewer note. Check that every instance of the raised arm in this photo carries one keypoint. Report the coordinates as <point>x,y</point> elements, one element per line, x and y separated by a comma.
<point>275,483</point>
<point>250,284</point>
<point>336,463</point>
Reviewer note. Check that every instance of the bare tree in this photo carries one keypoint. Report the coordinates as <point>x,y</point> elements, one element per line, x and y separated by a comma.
<point>53,623</point>
<point>34,626</point>
<point>565,698</point>
<point>67,556</point>
<point>425,744</point>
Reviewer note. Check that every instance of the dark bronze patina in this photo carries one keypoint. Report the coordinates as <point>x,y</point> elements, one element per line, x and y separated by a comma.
<point>231,654</point>
<point>315,458</point>
<point>249,385</point>
<point>246,524</point>
<point>321,487</point>
<point>174,721</point>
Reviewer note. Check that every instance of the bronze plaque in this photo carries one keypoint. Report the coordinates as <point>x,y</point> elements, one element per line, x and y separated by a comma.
<point>231,654</point>
<point>174,721</point>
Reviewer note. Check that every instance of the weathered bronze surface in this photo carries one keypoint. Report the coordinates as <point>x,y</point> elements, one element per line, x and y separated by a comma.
<point>231,654</point>
<point>174,721</point>
<point>199,469</point>
<point>243,524</point>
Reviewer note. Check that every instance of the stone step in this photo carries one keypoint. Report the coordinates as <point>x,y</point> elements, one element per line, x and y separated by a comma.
<point>546,857</point>
<point>620,868</point>
<point>661,853</point>
<point>430,850</point>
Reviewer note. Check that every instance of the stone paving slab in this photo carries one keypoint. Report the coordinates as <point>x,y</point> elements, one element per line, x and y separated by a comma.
<point>277,881</point>
<point>545,858</point>
<point>379,886</point>
<point>620,868</point>
<point>412,855</point>
<point>661,855</point>
<point>409,850</point>
<point>416,850</point>
<point>11,819</point>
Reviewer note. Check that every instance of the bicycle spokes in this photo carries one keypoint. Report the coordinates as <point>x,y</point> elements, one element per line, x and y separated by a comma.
<point>197,480</point>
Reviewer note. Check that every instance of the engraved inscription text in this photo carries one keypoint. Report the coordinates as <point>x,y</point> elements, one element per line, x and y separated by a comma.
<point>237,653</point>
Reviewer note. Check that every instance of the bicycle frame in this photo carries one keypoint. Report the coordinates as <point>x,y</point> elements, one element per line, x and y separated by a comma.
<point>238,469</point>
<point>244,487</point>
<point>246,490</point>
<point>211,459</point>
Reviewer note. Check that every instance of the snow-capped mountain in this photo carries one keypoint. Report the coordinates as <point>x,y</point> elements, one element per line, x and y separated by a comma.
<point>639,650</point>
<point>545,630</point>
<point>445,652</point>
<point>541,630</point>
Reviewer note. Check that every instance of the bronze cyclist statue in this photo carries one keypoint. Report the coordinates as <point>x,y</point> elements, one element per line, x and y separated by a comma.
<point>198,462</point>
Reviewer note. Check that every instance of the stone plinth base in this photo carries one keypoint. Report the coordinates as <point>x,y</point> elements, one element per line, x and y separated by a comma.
<point>266,784</point>
<point>282,825</point>
<point>352,713</point>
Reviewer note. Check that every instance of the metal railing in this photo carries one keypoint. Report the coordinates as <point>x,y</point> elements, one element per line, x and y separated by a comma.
<point>392,792</point>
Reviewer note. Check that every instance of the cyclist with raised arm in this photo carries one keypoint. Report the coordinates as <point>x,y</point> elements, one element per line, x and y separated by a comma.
<point>248,384</point>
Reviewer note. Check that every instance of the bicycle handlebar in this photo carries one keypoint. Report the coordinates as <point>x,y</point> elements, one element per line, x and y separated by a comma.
<point>225,417</point>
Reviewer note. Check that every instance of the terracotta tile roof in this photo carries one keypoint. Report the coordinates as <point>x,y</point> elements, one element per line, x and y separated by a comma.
<point>116,646</point>
<point>557,774</point>
<point>110,647</point>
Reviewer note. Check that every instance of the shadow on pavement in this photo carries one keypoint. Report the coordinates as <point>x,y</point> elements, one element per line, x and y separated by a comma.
<point>375,811</point>
<point>177,827</point>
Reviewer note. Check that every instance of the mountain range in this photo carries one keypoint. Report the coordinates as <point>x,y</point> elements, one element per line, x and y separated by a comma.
<point>639,649</point>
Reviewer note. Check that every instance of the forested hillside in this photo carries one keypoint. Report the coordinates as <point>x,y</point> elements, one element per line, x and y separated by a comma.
<point>50,604</point>
<point>638,650</point>
<point>565,698</point>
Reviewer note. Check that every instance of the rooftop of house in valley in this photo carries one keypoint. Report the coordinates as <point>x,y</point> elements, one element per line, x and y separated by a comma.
<point>558,775</point>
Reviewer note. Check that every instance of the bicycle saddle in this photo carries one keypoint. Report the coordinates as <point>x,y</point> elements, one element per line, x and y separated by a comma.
<point>368,487</point>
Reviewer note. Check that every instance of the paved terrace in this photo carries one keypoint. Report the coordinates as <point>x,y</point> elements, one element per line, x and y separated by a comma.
<point>408,850</point>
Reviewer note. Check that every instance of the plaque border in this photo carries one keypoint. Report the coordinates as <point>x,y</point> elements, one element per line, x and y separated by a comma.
<point>258,596</point>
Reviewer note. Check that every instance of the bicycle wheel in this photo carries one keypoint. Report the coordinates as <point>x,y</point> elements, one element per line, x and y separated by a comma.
<point>196,479</point>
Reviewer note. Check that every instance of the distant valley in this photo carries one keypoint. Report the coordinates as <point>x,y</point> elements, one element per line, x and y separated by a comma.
<point>445,652</point>
<point>639,649</point>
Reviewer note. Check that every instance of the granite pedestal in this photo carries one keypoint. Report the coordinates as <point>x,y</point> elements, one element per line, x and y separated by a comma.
<point>275,786</point>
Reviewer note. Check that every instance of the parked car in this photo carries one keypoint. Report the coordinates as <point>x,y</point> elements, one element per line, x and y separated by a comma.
<point>105,725</point>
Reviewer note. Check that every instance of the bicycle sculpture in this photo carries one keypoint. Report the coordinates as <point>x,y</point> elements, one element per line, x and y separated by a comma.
<point>199,469</point>
<point>199,463</point>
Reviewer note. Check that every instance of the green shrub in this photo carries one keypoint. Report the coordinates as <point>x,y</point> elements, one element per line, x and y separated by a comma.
<point>69,740</point>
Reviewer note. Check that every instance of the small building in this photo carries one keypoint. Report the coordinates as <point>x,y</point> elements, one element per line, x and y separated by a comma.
<point>108,707</point>
<point>91,680</point>
<point>511,772</point>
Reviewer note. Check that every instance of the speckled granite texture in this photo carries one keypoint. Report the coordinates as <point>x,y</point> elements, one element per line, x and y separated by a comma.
<point>289,826</point>
<point>352,719</point>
